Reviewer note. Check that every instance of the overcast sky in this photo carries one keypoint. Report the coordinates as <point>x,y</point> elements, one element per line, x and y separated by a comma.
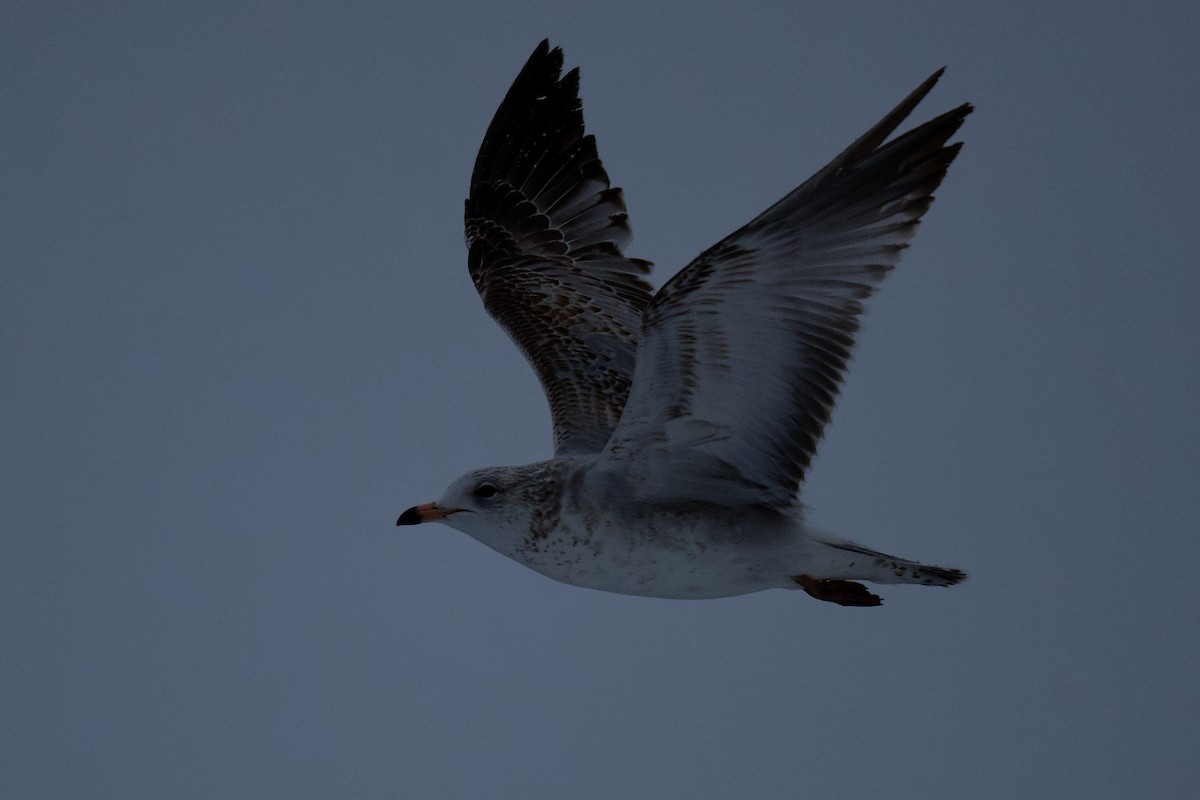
<point>238,338</point>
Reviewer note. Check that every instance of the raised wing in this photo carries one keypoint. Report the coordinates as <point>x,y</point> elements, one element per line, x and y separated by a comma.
<point>742,352</point>
<point>545,232</point>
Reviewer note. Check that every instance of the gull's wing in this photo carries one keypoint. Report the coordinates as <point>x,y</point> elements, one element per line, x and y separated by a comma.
<point>742,352</point>
<point>545,232</point>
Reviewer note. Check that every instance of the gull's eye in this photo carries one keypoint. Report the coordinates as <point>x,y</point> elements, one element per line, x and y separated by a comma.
<point>486,491</point>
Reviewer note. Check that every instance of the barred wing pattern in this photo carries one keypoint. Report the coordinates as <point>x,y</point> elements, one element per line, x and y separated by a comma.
<point>742,353</point>
<point>545,233</point>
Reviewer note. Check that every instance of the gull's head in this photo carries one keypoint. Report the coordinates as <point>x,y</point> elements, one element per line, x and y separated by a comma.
<point>483,499</point>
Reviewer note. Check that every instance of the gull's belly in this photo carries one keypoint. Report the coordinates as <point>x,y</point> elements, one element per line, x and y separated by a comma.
<point>658,555</point>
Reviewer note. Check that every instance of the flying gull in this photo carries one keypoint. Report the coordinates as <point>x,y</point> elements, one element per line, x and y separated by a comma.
<point>684,420</point>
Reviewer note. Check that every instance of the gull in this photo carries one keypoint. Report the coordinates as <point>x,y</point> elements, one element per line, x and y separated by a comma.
<point>684,420</point>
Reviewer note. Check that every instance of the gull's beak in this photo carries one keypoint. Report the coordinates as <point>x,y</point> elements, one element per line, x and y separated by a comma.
<point>428,512</point>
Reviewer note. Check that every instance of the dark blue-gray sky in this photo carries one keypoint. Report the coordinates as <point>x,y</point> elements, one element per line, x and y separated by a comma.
<point>238,338</point>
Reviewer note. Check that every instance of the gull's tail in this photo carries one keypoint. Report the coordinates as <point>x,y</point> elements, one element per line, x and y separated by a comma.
<point>840,563</point>
<point>890,569</point>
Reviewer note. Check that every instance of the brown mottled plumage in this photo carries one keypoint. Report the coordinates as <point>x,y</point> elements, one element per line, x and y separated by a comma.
<point>545,233</point>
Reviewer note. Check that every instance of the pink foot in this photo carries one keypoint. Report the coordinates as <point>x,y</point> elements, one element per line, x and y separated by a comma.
<point>844,593</point>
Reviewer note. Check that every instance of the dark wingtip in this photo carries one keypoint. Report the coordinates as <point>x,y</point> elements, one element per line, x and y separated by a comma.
<point>410,517</point>
<point>543,51</point>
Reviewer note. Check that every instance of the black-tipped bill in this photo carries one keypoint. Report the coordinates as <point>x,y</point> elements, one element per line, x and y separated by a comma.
<point>427,512</point>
